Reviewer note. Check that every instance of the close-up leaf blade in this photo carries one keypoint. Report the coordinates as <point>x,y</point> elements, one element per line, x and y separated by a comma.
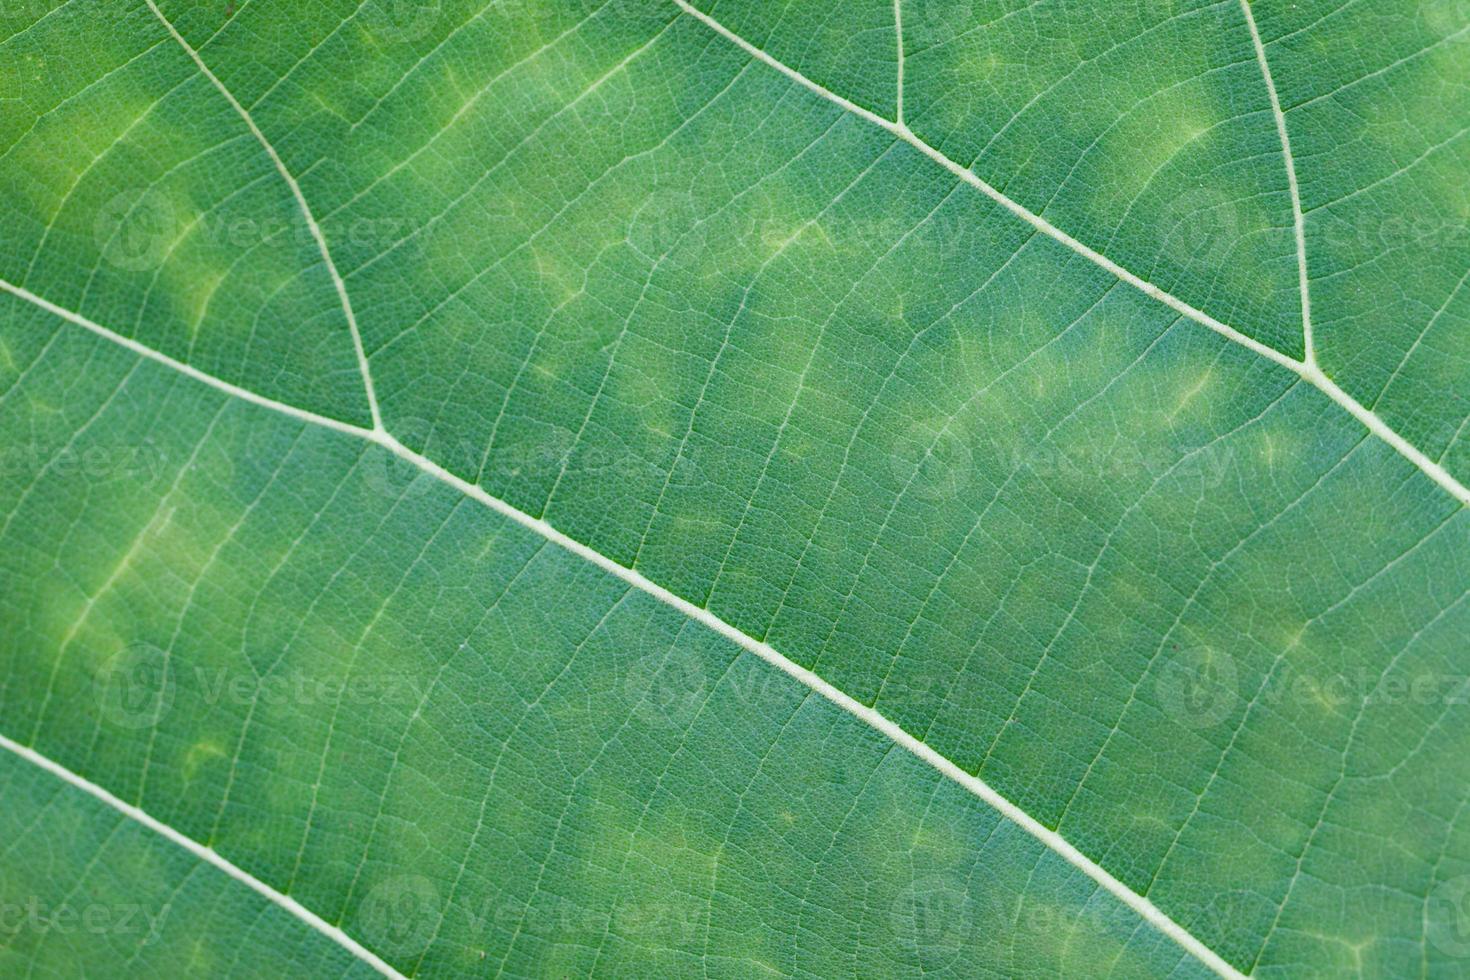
<point>659,488</point>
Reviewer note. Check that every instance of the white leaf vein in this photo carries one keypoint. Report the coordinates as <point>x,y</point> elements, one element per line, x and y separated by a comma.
<point>1299,225</point>
<point>316,232</point>
<point>976,786</point>
<point>1305,368</point>
<point>204,854</point>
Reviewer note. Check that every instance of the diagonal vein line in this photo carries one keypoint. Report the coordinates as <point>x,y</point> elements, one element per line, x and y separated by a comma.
<point>1308,370</point>
<point>963,173</point>
<point>144,350</point>
<point>976,786</point>
<point>206,855</point>
<point>898,29</point>
<point>316,232</point>
<point>1299,223</point>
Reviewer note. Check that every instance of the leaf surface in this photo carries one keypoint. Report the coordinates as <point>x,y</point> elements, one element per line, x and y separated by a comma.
<point>640,488</point>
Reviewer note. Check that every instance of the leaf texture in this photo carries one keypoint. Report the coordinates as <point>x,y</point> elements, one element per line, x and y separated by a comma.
<point>632,487</point>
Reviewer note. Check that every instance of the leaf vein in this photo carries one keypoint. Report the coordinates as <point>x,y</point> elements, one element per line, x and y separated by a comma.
<point>925,753</point>
<point>1306,369</point>
<point>316,232</point>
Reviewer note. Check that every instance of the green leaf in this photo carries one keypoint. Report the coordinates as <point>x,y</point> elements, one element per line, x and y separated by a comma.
<point>640,487</point>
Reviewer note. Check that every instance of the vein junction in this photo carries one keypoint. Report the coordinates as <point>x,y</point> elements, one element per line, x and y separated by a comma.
<point>1298,219</point>
<point>1305,368</point>
<point>978,787</point>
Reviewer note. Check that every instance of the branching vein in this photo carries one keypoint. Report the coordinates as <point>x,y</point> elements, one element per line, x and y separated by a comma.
<point>869,716</point>
<point>1307,369</point>
<point>378,436</point>
<point>316,232</point>
<point>1299,224</point>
